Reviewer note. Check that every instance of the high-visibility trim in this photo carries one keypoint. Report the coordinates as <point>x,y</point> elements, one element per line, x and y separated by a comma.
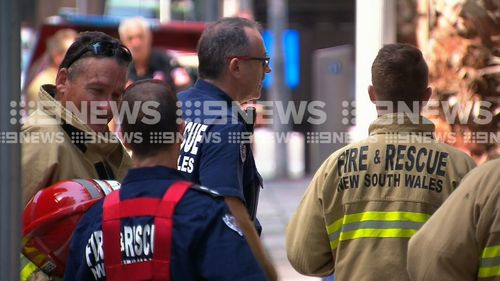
<point>27,268</point>
<point>490,262</point>
<point>375,225</point>
<point>491,252</point>
<point>90,188</point>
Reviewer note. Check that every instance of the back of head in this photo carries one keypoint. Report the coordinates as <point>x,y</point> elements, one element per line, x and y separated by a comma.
<point>400,73</point>
<point>155,120</point>
<point>80,49</point>
<point>220,40</point>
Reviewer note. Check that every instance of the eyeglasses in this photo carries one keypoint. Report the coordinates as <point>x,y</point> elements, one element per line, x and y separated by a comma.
<point>104,49</point>
<point>264,60</point>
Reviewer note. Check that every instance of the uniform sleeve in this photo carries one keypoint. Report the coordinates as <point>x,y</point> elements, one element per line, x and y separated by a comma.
<point>221,164</point>
<point>224,254</point>
<point>446,247</point>
<point>71,269</point>
<point>76,265</point>
<point>307,243</point>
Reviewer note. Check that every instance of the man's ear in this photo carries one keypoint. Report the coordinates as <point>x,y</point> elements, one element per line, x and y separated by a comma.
<point>61,79</point>
<point>181,127</point>
<point>234,67</point>
<point>372,93</point>
<point>180,130</point>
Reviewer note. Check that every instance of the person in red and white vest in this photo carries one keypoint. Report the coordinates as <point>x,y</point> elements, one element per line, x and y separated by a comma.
<point>159,226</point>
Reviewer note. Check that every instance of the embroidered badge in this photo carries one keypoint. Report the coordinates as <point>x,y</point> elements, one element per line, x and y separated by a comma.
<point>230,221</point>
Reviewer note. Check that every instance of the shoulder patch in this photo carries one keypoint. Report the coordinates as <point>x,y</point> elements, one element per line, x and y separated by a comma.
<point>205,189</point>
<point>230,221</point>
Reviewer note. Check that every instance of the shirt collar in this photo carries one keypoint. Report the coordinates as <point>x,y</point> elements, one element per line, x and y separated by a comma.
<point>218,94</point>
<point>153,173</point>
<point>212,90</point>
<point>401,122</point>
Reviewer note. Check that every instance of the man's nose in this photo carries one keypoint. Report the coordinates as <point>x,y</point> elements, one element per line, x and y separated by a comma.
<point>103,105</point>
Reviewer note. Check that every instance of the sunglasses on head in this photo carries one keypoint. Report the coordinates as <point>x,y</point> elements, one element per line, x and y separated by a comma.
<point>103,49</point>
<point>264,60</point>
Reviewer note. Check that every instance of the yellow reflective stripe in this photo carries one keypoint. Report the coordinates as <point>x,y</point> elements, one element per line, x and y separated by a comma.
<point>27,268</point>
<point>491,252</point>
<point>490,262</point>
<point>334,226</point>
<point>487,272</point>
<point>375,226</point>
<point>377,233</point>
<point>386,216</point>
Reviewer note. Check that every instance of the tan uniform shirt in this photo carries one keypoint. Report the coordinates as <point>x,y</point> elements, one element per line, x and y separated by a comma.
<point>461,241</point>
<point>368,198</point>
<point>52,152</point>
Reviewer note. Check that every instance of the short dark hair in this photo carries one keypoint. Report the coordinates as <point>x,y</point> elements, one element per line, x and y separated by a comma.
<point>220,40</point>
<point>400,73</point>
<point>82,42</point>
<point>150,90</point>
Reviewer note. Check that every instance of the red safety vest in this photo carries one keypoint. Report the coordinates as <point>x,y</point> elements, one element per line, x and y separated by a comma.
<point>162,210</point>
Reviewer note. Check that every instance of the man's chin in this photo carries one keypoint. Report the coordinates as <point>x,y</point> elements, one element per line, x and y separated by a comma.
<point>258,94</point>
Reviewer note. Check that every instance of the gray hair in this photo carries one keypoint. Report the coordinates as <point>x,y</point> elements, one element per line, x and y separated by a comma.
<point>129,22</point>
<point>220,40</point>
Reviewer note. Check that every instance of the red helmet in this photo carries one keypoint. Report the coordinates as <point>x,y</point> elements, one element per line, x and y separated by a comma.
<point>52,215</point>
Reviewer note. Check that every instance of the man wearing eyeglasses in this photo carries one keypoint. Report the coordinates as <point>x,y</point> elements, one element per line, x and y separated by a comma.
<point>216,151</point>
<point>68,133</point>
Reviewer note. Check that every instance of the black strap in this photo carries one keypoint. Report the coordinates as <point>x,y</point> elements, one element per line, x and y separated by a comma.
<point>77,136</point>
<point>104,172</point>
<point>250,111</point>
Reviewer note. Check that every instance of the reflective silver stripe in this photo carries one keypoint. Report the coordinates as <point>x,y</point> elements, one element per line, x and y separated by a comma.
<point>108,186</point>
<point>24,261</point>
<point>382,225</point>
<point>104,186</point>
<point>90,188</point>
<point>489,262</point>
<point>114,185</point>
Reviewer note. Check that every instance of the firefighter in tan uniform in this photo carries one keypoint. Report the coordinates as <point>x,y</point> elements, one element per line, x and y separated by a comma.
<point>461,241</point>
<point>68,133</point>
<point>368,198</point>
<point>71,138</point>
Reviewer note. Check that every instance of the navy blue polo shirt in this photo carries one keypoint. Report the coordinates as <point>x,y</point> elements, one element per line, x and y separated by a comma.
<point>206,244</point>
<point>216,151</point>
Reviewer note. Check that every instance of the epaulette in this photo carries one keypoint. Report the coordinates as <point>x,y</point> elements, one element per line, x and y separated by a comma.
<point>206,190</point>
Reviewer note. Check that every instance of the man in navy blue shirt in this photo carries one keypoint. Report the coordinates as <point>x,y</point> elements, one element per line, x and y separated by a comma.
<point>232,65</point>
<point>217,150</point>
<point>207,244</point>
